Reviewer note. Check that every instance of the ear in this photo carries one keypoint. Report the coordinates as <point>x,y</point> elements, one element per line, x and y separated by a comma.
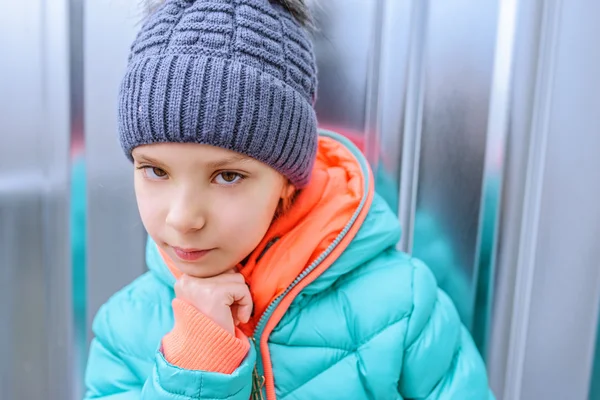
<point>287,191</point>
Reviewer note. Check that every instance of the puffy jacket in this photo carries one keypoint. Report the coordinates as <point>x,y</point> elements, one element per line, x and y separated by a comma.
<point>367,322</point>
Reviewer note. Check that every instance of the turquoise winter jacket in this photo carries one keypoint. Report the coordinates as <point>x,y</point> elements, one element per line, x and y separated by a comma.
<point>374,325</point>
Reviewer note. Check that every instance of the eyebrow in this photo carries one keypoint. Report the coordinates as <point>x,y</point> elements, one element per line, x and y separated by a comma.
<point>217,164</point>
<point>227,161</point>
<point>144,158</point>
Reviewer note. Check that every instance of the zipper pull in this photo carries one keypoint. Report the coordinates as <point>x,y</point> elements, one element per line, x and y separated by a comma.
<point>257,384</point>
<point>258,381</point>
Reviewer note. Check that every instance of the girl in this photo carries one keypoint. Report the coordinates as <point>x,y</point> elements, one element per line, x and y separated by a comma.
<point>273,273</point>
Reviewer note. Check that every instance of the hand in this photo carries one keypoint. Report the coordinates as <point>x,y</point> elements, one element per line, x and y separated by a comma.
<point>223,298</point>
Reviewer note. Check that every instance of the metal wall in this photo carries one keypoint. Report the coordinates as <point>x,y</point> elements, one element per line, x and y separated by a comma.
<point>36,319</point>
<point>414,79</point>
<point>478,117</point>
<point>544,321</point>
<point>115,235</point>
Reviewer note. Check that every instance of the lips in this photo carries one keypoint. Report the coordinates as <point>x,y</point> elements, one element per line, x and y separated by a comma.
<point>190,254</point>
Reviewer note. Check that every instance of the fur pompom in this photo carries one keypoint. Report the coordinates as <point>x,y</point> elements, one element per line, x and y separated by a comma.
<point>151,5</point>
<point>297,8</point>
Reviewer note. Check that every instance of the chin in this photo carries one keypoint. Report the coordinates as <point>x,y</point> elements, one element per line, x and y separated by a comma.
<point>196,271</point>
<point>200,271</point>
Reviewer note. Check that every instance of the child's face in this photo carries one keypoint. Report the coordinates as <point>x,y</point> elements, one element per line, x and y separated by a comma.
<point>206,207</point>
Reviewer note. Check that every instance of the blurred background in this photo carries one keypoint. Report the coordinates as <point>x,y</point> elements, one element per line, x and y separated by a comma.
<point>481,120</point>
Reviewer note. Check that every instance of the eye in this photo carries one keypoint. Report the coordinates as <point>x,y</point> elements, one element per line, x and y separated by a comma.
<point>154,172</point>
<point>228,178</point>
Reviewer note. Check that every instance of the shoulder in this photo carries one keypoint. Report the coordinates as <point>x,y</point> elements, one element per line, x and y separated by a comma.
<point>391,285</point>
<point>380,295</point>
<point>135,318</point>
<point>402,292</point>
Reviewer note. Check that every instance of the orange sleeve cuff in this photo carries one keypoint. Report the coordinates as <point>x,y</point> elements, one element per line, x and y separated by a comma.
<point>198,343</point>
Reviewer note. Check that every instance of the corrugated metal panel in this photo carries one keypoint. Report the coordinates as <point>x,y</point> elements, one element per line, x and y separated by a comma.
<point>412,82</point>
<point>35,269</point>
<point>115,254</point>
<point>545,318</point>
<point>461,107</point>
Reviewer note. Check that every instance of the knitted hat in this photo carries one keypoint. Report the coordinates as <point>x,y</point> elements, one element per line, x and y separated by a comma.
<point>237,74</point>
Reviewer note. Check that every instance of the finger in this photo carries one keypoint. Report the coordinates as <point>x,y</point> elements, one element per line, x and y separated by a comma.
<point>244,313</point>
<point>243,302</point>
<point>234,313</point>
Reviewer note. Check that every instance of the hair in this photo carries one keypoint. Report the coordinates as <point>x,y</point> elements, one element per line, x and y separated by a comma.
<point>151,5</point>
<point>297,8</point>
<point>286,203</point>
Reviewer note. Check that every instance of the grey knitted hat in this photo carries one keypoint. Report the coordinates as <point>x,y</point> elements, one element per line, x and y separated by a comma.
<point>237,74</point>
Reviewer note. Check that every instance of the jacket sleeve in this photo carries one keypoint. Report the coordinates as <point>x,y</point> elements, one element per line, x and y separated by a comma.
<point>441,361</point>
<point>111,374</point>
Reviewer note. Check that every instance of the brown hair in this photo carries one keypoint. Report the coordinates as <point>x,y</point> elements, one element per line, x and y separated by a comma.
<point>285,203</point>
<point>299,10</point>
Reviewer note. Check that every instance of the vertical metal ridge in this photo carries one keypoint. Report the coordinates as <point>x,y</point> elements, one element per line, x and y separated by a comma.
<point>411,141</point>
<point>526,255</point>
<point>373,100</point>
<point>55,243</point>
<point>493,172</point>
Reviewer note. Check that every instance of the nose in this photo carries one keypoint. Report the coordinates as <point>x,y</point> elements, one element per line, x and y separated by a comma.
<point>186,213</point>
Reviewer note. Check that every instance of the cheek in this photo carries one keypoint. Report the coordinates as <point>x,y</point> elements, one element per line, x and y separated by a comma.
<point>149,207</point>
<point>249,219</point>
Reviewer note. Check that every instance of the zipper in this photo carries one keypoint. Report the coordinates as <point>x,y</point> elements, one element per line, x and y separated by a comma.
<point>259,381</point>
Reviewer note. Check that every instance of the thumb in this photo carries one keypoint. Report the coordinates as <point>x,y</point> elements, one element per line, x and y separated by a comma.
<point>244,313</point>
<point>242,306</point>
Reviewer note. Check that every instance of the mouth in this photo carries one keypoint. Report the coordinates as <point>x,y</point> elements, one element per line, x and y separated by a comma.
<point>190,254</point>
